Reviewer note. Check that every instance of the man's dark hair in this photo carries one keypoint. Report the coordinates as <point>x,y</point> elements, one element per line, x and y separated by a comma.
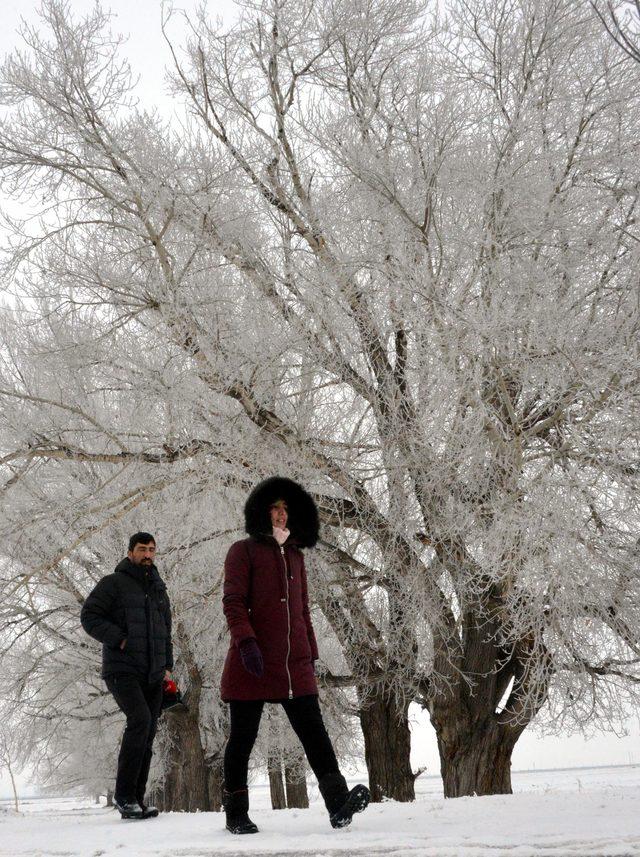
<point>140,539</point>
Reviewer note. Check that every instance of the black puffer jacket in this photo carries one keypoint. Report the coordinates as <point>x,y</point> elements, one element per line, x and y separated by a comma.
<point>132,604</point>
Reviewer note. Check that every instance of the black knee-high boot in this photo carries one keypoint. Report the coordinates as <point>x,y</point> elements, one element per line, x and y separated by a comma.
<point>342,803</point>
<point>236,808</point>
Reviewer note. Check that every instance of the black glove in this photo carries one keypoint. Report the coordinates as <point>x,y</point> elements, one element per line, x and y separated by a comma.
<point>252,657</point>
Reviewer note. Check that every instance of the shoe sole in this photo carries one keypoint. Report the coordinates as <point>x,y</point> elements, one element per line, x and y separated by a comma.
<point>357,801</point>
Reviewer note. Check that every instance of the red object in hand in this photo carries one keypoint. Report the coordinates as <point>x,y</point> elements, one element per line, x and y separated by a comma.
<point>171,696</point>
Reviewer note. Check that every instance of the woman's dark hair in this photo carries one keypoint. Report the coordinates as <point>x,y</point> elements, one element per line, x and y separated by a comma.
<point>140,539</point>
<point>303,513</point>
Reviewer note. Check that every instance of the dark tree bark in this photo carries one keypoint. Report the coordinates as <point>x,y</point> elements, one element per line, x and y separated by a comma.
<point>186,784</point>
<point>387,748</point>
<point>276,782</point>
<point>487,703</point>
<point>215,782</point>
<point>383,718</point>
<point>296,784</point>
<point>476,761</point>
<point>192,782</point>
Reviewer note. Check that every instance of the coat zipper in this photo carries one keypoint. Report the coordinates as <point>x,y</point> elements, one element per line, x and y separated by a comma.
<point>286,583</point>
<point>147,616</point>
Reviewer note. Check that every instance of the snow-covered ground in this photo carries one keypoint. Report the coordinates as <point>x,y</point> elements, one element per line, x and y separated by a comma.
<point>584,811</point>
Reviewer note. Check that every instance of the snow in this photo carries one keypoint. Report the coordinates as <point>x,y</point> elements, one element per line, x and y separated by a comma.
<point>586,812</point>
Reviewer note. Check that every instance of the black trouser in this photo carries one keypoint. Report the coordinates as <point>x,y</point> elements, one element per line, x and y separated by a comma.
<point>306,719</point>
<point>141,703</point>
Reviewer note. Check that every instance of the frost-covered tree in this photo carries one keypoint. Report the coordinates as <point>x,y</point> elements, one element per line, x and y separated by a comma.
<point>11,751</point>
<point>622,21</point>
<point>392,252</point>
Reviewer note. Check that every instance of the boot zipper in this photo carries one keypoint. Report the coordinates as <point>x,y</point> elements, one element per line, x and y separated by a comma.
<point>286,583</point>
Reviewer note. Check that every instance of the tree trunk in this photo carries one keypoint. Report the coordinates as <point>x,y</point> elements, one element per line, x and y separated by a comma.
<point>215,781</point>
<point>14,788</point>
<point>296,785</point>
<point>276,783</point>
<point>387,748</point>
<point>186,784</point>
<point>477,761</point>
<point>478,724</point>
<point>190,784</point>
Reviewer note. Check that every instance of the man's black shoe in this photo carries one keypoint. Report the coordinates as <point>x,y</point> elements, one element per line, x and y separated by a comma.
<point>128,809</point>
<point>149,811</point>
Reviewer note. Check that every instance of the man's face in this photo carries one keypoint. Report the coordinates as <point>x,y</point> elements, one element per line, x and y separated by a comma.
<point>143,554</point>
<point>279,514</point>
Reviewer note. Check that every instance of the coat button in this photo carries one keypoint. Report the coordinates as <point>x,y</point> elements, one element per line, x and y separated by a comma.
<point>283,599</point>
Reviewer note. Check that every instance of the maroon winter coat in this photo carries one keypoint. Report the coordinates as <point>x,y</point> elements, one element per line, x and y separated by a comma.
<point>265,596</point>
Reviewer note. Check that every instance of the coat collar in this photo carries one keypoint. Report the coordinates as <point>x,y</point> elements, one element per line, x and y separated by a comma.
<point>268,539</point>
<point>143,576</point>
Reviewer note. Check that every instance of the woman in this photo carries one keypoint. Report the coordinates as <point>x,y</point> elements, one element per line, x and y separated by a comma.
<point>273,647</point>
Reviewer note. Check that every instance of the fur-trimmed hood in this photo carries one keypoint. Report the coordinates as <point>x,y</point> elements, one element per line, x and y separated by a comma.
<point>303,513</point>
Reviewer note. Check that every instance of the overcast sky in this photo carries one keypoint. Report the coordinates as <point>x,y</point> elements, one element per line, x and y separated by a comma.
<point>138,20</point>
<point>148,55</point>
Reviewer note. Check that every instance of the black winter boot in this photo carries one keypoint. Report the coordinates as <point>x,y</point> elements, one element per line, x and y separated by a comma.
<point>147,811</point>
<point>340,802</point>
<point>128,808</point>
<point>236,808</point>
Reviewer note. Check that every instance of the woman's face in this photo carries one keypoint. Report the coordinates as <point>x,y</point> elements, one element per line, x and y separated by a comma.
<point>279,514</point>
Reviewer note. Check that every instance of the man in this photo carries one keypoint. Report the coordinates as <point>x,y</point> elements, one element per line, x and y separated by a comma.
<point>129,613</point>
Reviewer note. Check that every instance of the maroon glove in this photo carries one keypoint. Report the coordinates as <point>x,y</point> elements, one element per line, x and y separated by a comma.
<point>252,657</point>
